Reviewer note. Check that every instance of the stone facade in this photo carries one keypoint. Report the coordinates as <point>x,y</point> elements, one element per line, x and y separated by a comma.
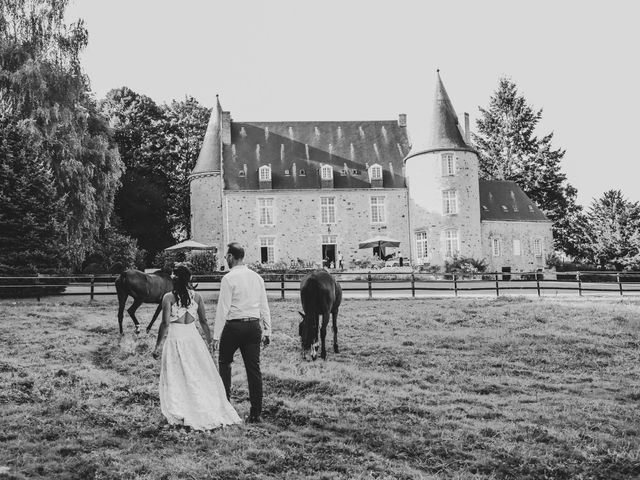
<point>428,184</point>
<point>532,254</point>
<point>297,229</point>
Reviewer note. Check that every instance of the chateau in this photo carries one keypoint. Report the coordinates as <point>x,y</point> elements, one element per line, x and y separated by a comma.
<point>308,190</point>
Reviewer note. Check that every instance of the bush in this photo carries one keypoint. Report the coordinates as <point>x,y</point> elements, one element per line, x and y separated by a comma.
<point>113,247</point>
<point>203,262</point>
<point>466,266</point>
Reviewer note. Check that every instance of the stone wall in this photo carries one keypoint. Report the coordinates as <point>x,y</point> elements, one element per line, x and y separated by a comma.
<point>506,232</point>
<point>298,230</point>
<point>206,209</point>
<point>426,184</point>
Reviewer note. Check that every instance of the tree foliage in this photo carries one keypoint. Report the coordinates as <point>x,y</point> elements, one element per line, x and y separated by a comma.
<point>611,232</point>
<point>510,150</point>
<point>159,146</point>
<point>44,92</point>
<point>31,212</point>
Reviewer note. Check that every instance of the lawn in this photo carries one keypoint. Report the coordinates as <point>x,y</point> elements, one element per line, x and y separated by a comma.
<point>506,388</point>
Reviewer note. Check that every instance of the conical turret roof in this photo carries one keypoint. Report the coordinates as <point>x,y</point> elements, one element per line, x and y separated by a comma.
<point>210,153</point>
<point>444,130</point>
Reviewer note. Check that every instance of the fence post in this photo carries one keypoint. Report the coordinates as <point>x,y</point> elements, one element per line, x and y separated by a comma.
<point>93,285</point>
<point>579,283</point>
<point>369,281</point>
<point>538,284</point>
<point>455,284</point>
<point>497,287</point>
<point>413,285</point>
<point>282,285</point>
<point>619,282</point>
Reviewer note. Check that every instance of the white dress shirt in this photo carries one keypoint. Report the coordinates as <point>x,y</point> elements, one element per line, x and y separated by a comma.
<point>242,294</point>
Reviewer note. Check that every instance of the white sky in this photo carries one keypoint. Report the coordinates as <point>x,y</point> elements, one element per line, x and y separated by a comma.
<point>278,60</point>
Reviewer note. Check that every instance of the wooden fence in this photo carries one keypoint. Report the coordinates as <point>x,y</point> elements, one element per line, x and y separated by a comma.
<point>367,283</point>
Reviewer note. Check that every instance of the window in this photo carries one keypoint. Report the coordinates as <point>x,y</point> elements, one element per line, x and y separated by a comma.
<point>302,172</point>
<point>329,239</point>
<point>421,245</point>
<point>241,173</point>
<point>516,247</point>
<point>375,172</point>
<point>495,247</point>
<point>327,209</point>
<point>531,208</point>
<point>326,172</point>
<point>449,202</point>
<point>377,210</point>
<point>267,249</point>
<point>287,173</point>
<point>355,172</point>
<point>448,164</point>
<point>505,209</point>
<point>537,247</point>
<point>343,173</point>
<point>264,173</point>
<point>265,211</point>
<point>451,243</point>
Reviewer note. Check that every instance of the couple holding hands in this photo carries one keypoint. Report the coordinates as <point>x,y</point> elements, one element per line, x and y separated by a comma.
<point>192,392</point>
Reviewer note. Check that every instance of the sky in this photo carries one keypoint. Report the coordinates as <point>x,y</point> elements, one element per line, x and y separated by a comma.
<point>341,60</point>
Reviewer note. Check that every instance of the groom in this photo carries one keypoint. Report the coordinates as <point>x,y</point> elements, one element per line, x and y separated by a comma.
<point>243,321</point>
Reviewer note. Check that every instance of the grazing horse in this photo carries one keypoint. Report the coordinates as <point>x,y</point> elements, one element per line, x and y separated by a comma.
<point>320,295</point>
<point>144,288</point>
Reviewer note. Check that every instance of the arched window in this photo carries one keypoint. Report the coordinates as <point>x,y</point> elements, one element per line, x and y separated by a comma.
<point>375,172</point>
<point>264,173</point>
<point>326,172</point>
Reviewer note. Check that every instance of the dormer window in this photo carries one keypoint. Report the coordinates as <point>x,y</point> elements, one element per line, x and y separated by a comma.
<point>302,172</point>
<point>375,172</point>
<point>264,173</point>
<point>505,209</point>
<point>531,208</point>
<point>448,164</point>
<point>241,173</point>
<point>326,172</point>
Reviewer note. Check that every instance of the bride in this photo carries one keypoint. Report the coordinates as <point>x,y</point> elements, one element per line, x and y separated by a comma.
<point>191,390</point>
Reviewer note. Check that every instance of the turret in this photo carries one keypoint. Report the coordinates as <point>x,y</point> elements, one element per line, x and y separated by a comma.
<point>442,179</point>
<point>206,185</point>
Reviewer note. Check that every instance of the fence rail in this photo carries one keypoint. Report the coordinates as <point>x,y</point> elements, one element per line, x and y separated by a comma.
<point>409,282</point>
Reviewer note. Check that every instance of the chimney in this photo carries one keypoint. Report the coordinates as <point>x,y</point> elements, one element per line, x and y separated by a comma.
<point>402,120</point>
<point>467,132</point>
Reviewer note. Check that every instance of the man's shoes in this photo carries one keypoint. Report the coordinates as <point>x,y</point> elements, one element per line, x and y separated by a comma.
<point>253,419</point>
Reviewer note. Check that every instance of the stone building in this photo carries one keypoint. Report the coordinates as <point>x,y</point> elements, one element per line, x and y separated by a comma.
<point>308,190</point>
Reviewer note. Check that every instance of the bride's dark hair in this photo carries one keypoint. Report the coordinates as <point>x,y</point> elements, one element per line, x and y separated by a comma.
<point>181,285</point>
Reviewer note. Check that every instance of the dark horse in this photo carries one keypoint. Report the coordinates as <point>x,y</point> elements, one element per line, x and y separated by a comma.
<point>144,288</point>
<point>320,295</point>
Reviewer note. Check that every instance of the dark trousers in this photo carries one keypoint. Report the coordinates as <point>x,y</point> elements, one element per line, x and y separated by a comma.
<point>245,336</point>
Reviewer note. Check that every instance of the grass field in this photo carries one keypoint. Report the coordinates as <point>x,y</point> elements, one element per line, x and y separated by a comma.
<point>507,388</point>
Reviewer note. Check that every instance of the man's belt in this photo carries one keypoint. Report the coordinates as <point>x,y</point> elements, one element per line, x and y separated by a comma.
<point>245,319</point>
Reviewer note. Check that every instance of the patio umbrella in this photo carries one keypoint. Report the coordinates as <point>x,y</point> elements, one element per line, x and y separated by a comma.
<point>189,245</point>
<point>379,241</point>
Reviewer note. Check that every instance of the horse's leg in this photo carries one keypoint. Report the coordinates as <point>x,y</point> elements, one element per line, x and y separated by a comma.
<point>155,315</point>
<point>132,313</point>
<point>122,300</point>
<point>323,335</point>
<point>334,326</point>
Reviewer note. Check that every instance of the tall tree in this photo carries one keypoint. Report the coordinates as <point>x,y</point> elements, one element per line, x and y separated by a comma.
<point>510,150</point>
<point>43,89</point>
<point>186,124</point>
<point>142,202</point>
<point>32,214</point>
<point>611,232</point>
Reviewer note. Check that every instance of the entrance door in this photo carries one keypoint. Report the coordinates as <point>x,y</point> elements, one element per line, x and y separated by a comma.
<point>329,254</point>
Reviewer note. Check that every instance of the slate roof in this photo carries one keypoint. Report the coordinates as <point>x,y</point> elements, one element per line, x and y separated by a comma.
<point>444,129</point>
<point>349,146</point>
<point>209,157</point>
<point>505,201</point>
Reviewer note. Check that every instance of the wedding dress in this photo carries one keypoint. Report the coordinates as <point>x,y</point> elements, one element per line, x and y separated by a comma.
<point>191,390</point>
